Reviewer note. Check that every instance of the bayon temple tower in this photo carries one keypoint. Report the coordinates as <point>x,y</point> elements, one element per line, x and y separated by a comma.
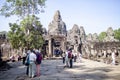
<point>57,26</point>
<point>58,37</point>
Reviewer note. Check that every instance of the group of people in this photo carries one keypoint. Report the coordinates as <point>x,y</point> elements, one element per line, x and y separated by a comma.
<point>110,57</point>
<point>32,59</point>
<point>69,57</point>
<point>58,52</point>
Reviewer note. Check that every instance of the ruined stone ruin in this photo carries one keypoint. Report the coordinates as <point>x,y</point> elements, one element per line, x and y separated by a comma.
<point>6,50</point>
<point>75,38</point>
<point>58,38</point>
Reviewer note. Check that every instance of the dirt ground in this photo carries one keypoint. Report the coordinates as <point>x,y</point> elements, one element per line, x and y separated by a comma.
<point>54,70</point>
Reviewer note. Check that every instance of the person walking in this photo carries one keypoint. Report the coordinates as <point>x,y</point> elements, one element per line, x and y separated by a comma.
<point>38,62</point>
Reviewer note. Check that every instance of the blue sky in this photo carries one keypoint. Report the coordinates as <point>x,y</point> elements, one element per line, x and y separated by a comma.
<point>94,15</point>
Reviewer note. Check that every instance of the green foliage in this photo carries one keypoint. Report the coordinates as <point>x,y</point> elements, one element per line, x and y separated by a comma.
<point>102,35</point>
<point>21,7</point>
<point>15,35</point>
<point>19,36</point>
<point>117,34</point>
<point>33,31</point>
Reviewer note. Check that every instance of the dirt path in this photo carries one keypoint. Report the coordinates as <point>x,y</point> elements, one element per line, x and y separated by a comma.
<point>54,70</point>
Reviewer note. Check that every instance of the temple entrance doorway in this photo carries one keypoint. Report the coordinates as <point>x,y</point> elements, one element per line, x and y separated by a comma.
<point>56,45</point>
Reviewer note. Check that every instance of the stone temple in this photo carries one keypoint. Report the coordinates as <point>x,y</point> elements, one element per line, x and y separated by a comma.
<point>58,37</point>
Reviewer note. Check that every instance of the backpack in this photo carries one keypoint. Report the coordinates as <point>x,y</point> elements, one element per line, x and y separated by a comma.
<point>39,58</point>
<point>27,61</point>
<point>69,55</point>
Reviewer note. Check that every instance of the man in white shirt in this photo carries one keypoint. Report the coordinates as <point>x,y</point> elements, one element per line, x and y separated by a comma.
<point>32,58</point>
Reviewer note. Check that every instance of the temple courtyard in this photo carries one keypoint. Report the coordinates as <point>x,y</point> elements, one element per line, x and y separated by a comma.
<point>54,69</point>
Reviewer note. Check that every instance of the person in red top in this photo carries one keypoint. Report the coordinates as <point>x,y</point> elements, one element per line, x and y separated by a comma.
<point>38,62</point>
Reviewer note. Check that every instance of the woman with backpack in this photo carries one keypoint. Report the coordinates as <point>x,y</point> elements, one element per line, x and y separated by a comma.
<point>38,62</point>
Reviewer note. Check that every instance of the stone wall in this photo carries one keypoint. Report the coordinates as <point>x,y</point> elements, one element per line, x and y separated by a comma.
<point>95,51</point>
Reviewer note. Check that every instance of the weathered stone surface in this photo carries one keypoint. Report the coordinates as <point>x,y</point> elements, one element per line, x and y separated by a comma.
<point>57,26</point>
<point>82,34</point>
<point>73,35</point>
<point>92,37</point>
<point>76,36</point>
<point>75,29</point>
<point>95,37</point>
<point>89,37</point>
<point>110,35</point>
<point>5,50</point>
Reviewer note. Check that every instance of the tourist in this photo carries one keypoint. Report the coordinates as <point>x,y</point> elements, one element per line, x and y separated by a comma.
<point>63,56</point>
<point>38,62</point>
<point>13,58</point>
<point>105,56</point>
<point>19,58</point>
<point>75,55</point>
<point>24,56</point>
<point>113,57</point>
<point>79,57</point>
<point>27,59</point>
<point>32,59</point>
<point>70,57</point>
<point>66,59</point>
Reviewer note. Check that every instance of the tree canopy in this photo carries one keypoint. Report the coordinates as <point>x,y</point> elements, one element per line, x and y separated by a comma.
<point>20,38</point>
<point>117,34</point>
<point>21,8</point>
<point>29,32</point>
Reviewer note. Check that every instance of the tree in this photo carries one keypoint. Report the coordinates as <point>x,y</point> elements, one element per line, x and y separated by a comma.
<point>29,32</point>
<point>15,36</point>
<point>33,31</point>
<point>117,34</point>
<point>22,7</point>
<point>102,35</point>
<point>18,36</point>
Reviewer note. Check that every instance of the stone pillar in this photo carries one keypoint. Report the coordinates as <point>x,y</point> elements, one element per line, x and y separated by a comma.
<point>76,48</point>
<point>50,48</point>
<point>64,45</point>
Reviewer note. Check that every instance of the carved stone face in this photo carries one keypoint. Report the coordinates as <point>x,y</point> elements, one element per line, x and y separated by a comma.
<point>89,37</point>
<point>57,26</point>
<point>110,32</point>
<point>75,29</point>
<point>95,37</point>
<point>57,16</point>
<point>82,30</point>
